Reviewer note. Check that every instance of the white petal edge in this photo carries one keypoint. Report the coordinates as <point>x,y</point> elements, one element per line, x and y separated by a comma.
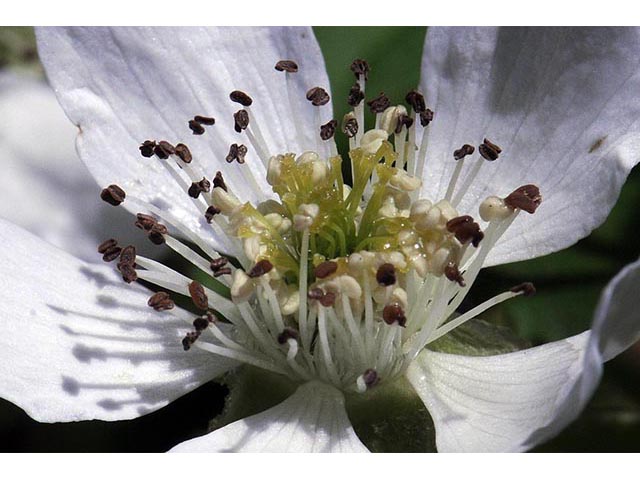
<point>77,343</point>
<point>515,401</point>
<point>313,419</point>
<point>122,86</point>
<point>561,102</point>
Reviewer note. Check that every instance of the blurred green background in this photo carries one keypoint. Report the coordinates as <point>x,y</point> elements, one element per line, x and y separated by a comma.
<point>568,283</point>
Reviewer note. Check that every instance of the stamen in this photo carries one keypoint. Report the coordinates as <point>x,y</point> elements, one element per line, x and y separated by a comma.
<point>287,334</point>
<point>360,68</point>
<point>416,100</point>
<point>164,149</point>
<point>161,301</point>
<point>196,127</point>
<point>261,268</point>
<point>241,98</point>
<point>452,273</point>
<point>318,96</point>
<point>328,130</point>
<point>211,212</point>
<point>147,148</point>
<point>527,289</point>
<point>113,195</point>
<point>489,150</point>
<point>463,151</point>
<point>368,379</point>
<point>426,117</point>
<point>197,188</point>
<point>288,66</point>
<point>394,314</point>
<point>525,198</point>
<point>379,104</point>
<point>205,120</point>
<point>241,120</point>
<point>356,95</point>
<point>109,250</point>
<point>183,152</point>
<point>199,297</point>
<point>236,152</point>
<point>386,274</point>
<point>325,269</point>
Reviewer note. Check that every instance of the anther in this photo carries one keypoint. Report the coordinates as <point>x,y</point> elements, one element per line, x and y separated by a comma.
<point>236,152</point>
<point>128,255</point>
<point>211,212</point>
<point>328,130</point>
<point>197,188</point>
<point>218,181</point>
<point>349,125</point>
<point>261,268</point>
<point>356,95</point>
<point>315,294</point>
<point>393,313</point>
<point>370,377</point>
<point>286,334</point>
<point>113,195</point>
<point>218,267</point>
<point>360,67</point>
<point>525,198</point>
<point>196,127</point>
<point>325,269</point>
<point>403,121</point>
<point>416,100</point>
<point>328,299</point>
<point>318,96</point>
<point>163,149</point>
<point>109,250</point>
<point>452,273</point>
<point>379,104</point>
<point>147,148</point>
<point>463,151</point>
<point>189,339</point>
<point>202,323</point>
<point>157,233</point>
<point>241,98</point>
<point>161,301</point>
<point>182,151</point>
<point>128,272</point>
<point>201,119</point>
<point>288,66</point>
<point>465,230</point>
<point>199,298</point>
<point>145,222</point>
<point>241,120</point>
<point>527,289</point>
<point>489,150</point>
<point>426,117</point>
<point>386,274</point>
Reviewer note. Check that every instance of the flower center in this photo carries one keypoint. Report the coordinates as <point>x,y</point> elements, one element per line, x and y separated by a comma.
<point>343,283</point>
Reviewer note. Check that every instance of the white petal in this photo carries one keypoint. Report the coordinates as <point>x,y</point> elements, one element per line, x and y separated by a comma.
<point>562,104</point>
<point>77,343</point>
<point>616,324</point>
<point>495,403</point>
<point>313,419</point>
<point>45,188</point>
<point>122,86</point>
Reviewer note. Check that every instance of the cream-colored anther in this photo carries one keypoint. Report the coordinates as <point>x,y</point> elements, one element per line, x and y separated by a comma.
<point>394,258</point>
<point>431,220</point>
<point>307,157</point>
<point>274,219</point>
<point>356,263</point>
<point>447,210</point>
<point>407,238</point>
<point>242,286</point>
<point>389,118</point>
<point>404,181</point>
<point>223,200</point>
<point>349,286</point>
<point>254,248</point>
<point>274,168</point>
<point>494,208</point>
<point>307,213</point>
<point>420,264</point>
<point>289,300</point>
<point>419,208</point>
<point>399,295</point>
<point>372,140</point>
<point>439,261</point>
<point>388,208</point>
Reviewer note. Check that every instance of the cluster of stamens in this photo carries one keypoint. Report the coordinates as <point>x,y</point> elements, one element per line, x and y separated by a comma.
<point>343,283</point>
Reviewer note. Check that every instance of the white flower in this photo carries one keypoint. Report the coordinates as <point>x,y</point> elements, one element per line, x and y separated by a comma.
<point>340,294</point>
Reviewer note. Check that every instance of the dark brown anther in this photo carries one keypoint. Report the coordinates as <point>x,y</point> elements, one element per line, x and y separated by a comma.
<point>218,182</point>
<point>360,68</point>
<point>403,121</point>
<point>465,230</point>
<point>163,149</point>
<point>241,98</point>
<point>261,268</point>
<point>379,104</point>
<point>325,269</point>
<point>201,119</point>
<point>145,222</point>
<point>128,272</point>
<point>236,152</point>
<point>525,198</point>
<point>161,301</point>
<point>416,100</point>
<point>189,339</point>
<point>196,127</point>
<point>318,96</point>
<point>426,117</point>
<point>453,274</point>
<point>201,323</point>
<point>211,212</point>
<point>328,130</point>
<point>393,313</point>
<point>386,274</point>
<point>287,334</point>
<point>128,256</point>
<point>350,126</point>
<point>463,151</point>
<point>315,294</point>
<point>218,263</point>
<point>113,195</point>
<point>157,233</point>
<point>328,299</point>
<point>455,223</point>
<point>370,377</point>
<point>489,151</point>
<point>222,271</point>
<point>199,298</point>
<point>147,148</point>
<point>356,95</point>
<point>109,250</point>
<point>107,245</point>
<point>527,289</point>
<point>288,66</point>
<point>241,120</point>
<point>183,152</point>
<point>197,188</point>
